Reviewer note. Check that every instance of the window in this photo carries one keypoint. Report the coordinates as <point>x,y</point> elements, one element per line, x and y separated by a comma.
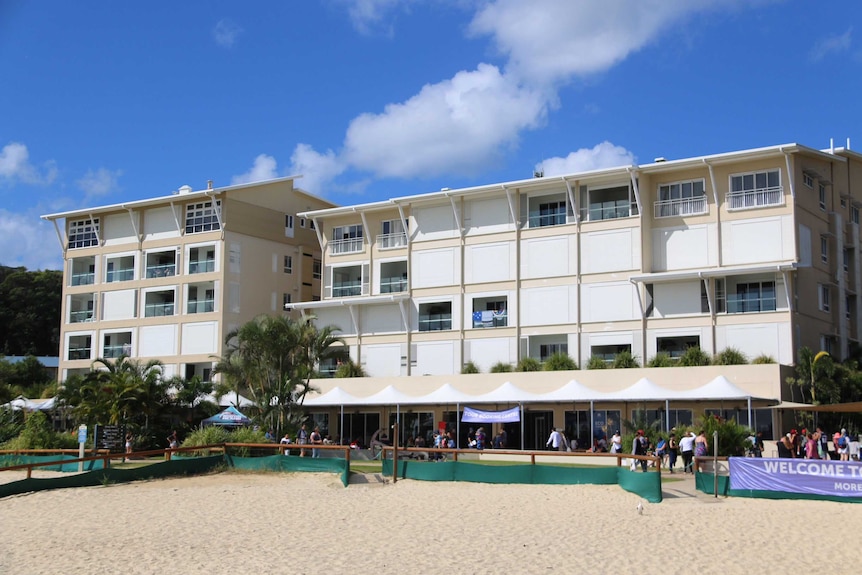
<point>546,350</point>
<point>752,297</point>
<point>347,281</point>
<point>285,300</point>
<point>827,344</point>
<point>346,239</point>
<point>846,260</point>
<point>288,265</point>
<point>548,214</point>
<point>81,308</point>
<point>435,316</point>
<point>201,260</point>
<point>288,226</point>
<point>79,347</point>
<point>490,312</point>
<point>808,180</point>
<point>393,277</point>
<point>83,271</point>
<point>704,298</point>
<point>823,293</point>
<point>302,222</point>
<point>854,214</point>
<point>203,217</point>
<point>161,264</point>
<point>680,199</point>
<point>120,269</point>
<point>676,346</point>
<point>201,298</point>
<point>720,296</point>
<point>824,249</point>
<point>311,224</point>
<point>392,235</point>
<point>159,303</point>
<point>610,203</point>
<point>315,269</point>
<point>117,344</point>
<point>608,352</point>
<point>848,307</point>
<point>84,233</point>
<point>822,196</point>
<point>754,190</point>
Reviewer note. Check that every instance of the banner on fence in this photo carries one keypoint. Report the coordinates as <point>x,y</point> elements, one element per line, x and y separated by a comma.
<point>812,476</point>
<point>478,416</point>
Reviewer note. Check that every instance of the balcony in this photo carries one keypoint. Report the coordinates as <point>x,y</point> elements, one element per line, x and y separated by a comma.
<point>161,271</point>
<point>81,316</point>
<point>83,278</point>
<point>490,319</point>
<point>435,322</point>
<point>390,241</point>
<point>200,306</point>
<point>755,198</point>
<point>201,266</point>
<point>740,303</point>
<point>158,309</point>
<point>680,207</point>
<point>609,210</point>
<point>393,285</point>
<point>346,246</point>
<point>79,352</point>
<point>347,289</point>
<point>544,220</point>
<point>115,351</point>
<point>120,275</point>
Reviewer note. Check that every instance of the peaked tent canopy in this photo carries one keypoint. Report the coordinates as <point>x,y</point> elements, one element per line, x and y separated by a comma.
<point>230,417</point>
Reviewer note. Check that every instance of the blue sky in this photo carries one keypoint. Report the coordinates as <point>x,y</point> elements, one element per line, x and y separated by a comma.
<point>104,102</point>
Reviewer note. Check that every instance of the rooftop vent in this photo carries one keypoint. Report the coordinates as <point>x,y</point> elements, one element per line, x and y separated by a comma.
<point>209,184</point>
<point>185,190</point>
<point>660,159</point>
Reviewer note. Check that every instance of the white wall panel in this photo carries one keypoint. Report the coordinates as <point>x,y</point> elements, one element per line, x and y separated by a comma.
<point>489,263</point>
<point>339,317</point>
<point>676,298</point>
<point>804,246</point>
<point>772,339</point>
<point>200,338</point>
<point>117,229</point>
<point>608,251</point>
<point>682,248</point>
<point>609,302</point>
<point>160,223</point>
<point>487,216</point>
<point>434,223</point>
<point>435,358</point>
<point>754,241</point>
<point>433,268</point>
<point>157,340</point>
<point>381,319</point>
<point>488,351</point>
<point>549,305</point>
<point>118,304</point>
<point>547,257</point>
<point>382,360</point>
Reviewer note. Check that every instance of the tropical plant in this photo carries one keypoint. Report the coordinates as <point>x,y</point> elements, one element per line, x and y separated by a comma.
<point>560,362</point>
<point>762,359</point>
<point>625,360</point>
<point>37,433</point>
<point>733,438</point>
<point>730,356</point>
<point>501,367</point>
<point>661,359</point>
<point>350,369</point>
<point>693,356</point>
<point>529,364</point>
<point>11,424</point>
<point>815,376</point>
<point>469,367</point>
<point>597,362</point>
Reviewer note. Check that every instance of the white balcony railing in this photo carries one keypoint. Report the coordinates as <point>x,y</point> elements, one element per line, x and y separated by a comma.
<point>390,241</point>
<point>757,198</point>
<point>81,316</point>
<point>346,246</point>
<point>680,207</point>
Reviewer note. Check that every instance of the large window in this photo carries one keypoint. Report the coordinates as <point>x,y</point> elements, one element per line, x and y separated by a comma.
<point>680,199</point>
<point>752,297</point>
<point>393,277</point>
<point>117,344</point>
<point>203,217</point>
<point>315,269</point>
<point>548,211</point>
<point>435,316</point>
<point>201,298</point>
<point>392,235</point>
<point>120,269</point>
<point>546,350</point>
<point>610,203</point>
<point>80,347</point>
<point>159,303</point>
<point>346,239</point>
<point>490,312</point>
<point>161,264</point>
<point>201,259</point>
<point>676,346</point>
<point>82,308</point>
<point>678,418</point>
<point>608,352</point>
<point>83,233</point>
<point>347,281</point>
<point>83,271</point>
<point>754,190</point>
<point>605,422</point>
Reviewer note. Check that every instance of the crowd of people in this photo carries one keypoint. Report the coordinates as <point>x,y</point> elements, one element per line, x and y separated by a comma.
<point>816,444</point>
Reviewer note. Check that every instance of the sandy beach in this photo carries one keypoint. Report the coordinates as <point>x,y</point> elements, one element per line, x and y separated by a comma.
<point>310,524</point>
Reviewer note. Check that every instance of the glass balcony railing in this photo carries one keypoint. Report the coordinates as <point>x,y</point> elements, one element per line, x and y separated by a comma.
<point>346,246</point>
<point>485,319</point>
<point>435,322</point>
<point>756,198</point>
<point>79,353</point>
<point>83,279</point>
<point>748,304</point>
<point>347,289</point>
<point>609,210</point>
<point>80,316</point>
<point>389,241</point>
<point>114,351</point>
<point>161,271</point>
<point>539,220</point>
<point>680,207</point>
<point>201,266</point>
<point>201,306</point>
<point>120,275</point>
<point>158,309</point>
<point>393,285</point>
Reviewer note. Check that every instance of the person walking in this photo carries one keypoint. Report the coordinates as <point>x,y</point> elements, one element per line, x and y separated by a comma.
<point>686,446</point>
<point>639,447</point>
<point>302,438</point>
<point>672,450</point>
<point>555,440</point>
<point>316,439</point>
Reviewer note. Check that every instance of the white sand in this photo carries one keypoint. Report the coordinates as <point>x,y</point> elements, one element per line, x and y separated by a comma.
<point>310,523</point>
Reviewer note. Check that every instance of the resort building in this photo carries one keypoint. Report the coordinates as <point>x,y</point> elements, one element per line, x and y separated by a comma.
<point>756,250</point>
<point>167,278</point>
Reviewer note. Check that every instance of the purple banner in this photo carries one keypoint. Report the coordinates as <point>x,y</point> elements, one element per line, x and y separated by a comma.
<point>811,476</point>
<point>478,416</point>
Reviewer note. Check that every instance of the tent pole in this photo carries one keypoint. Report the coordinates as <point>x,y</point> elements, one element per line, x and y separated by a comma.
<point>457,424</point>
<point>667,416</point>
<point>592,425</point>
<point>750,421</point>
<point>341,427</point>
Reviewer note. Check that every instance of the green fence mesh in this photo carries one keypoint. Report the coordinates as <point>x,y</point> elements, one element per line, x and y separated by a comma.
<point>292,463</point>
<point>646,485</point>
<point>10,460</point>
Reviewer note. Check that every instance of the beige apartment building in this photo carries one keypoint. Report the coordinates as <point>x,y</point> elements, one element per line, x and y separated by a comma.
<point>757,250</point>
<point>167,278</point>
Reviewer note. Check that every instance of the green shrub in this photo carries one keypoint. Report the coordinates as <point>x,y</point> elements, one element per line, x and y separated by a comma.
<point>694,356</point>
<point>529,364</point>
<point>38,434</point>
<point>625,360</point>
<point>560,362</point>
<point>469,367</point>
<point>596,362</point>
<point>730,356</point>
<point>11,424</point>
<point>501,367</point>
<point>349,369</point>
<point>763,358</point>
<point>661,359</point>
<point>732,437</point>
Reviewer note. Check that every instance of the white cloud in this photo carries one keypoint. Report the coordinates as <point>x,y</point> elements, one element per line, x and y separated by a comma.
<point>455,126</point>
<point>15,166</point>
<point>25,240</point>
<point>549,41</point>
<point>226,33</point>
<point>831,45</point>
<point>317,169</point>
<point>369,15</point>
<point>264,168</point>
<point>99,183</point>
<point>604,155</point>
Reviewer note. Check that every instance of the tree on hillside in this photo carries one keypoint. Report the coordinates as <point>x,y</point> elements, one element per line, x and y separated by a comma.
<point>273,358</point>
<point>30,311</point>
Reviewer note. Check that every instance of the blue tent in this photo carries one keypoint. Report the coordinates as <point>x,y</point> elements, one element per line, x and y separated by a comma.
<point>230,417</point>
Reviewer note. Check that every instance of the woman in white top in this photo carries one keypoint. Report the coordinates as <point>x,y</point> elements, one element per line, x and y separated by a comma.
<point>616,443</point>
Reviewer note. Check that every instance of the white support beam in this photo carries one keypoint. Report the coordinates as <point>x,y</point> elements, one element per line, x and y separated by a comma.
<point>217,211</point>
<point>366,233</point>
<point>572,200</point>
<point>790,178</point>
<point>712,183</point>
<point>354,319</point>
<point>456,214</point>
<point>633,176</point>
<point>134,224</point>
<point>403,222</point>
<point>317,228</point>
<point>180,229</point>
<point>96,229</point>
<point>511,203</point>
<point>402,305</point>
<point>60,237</point>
